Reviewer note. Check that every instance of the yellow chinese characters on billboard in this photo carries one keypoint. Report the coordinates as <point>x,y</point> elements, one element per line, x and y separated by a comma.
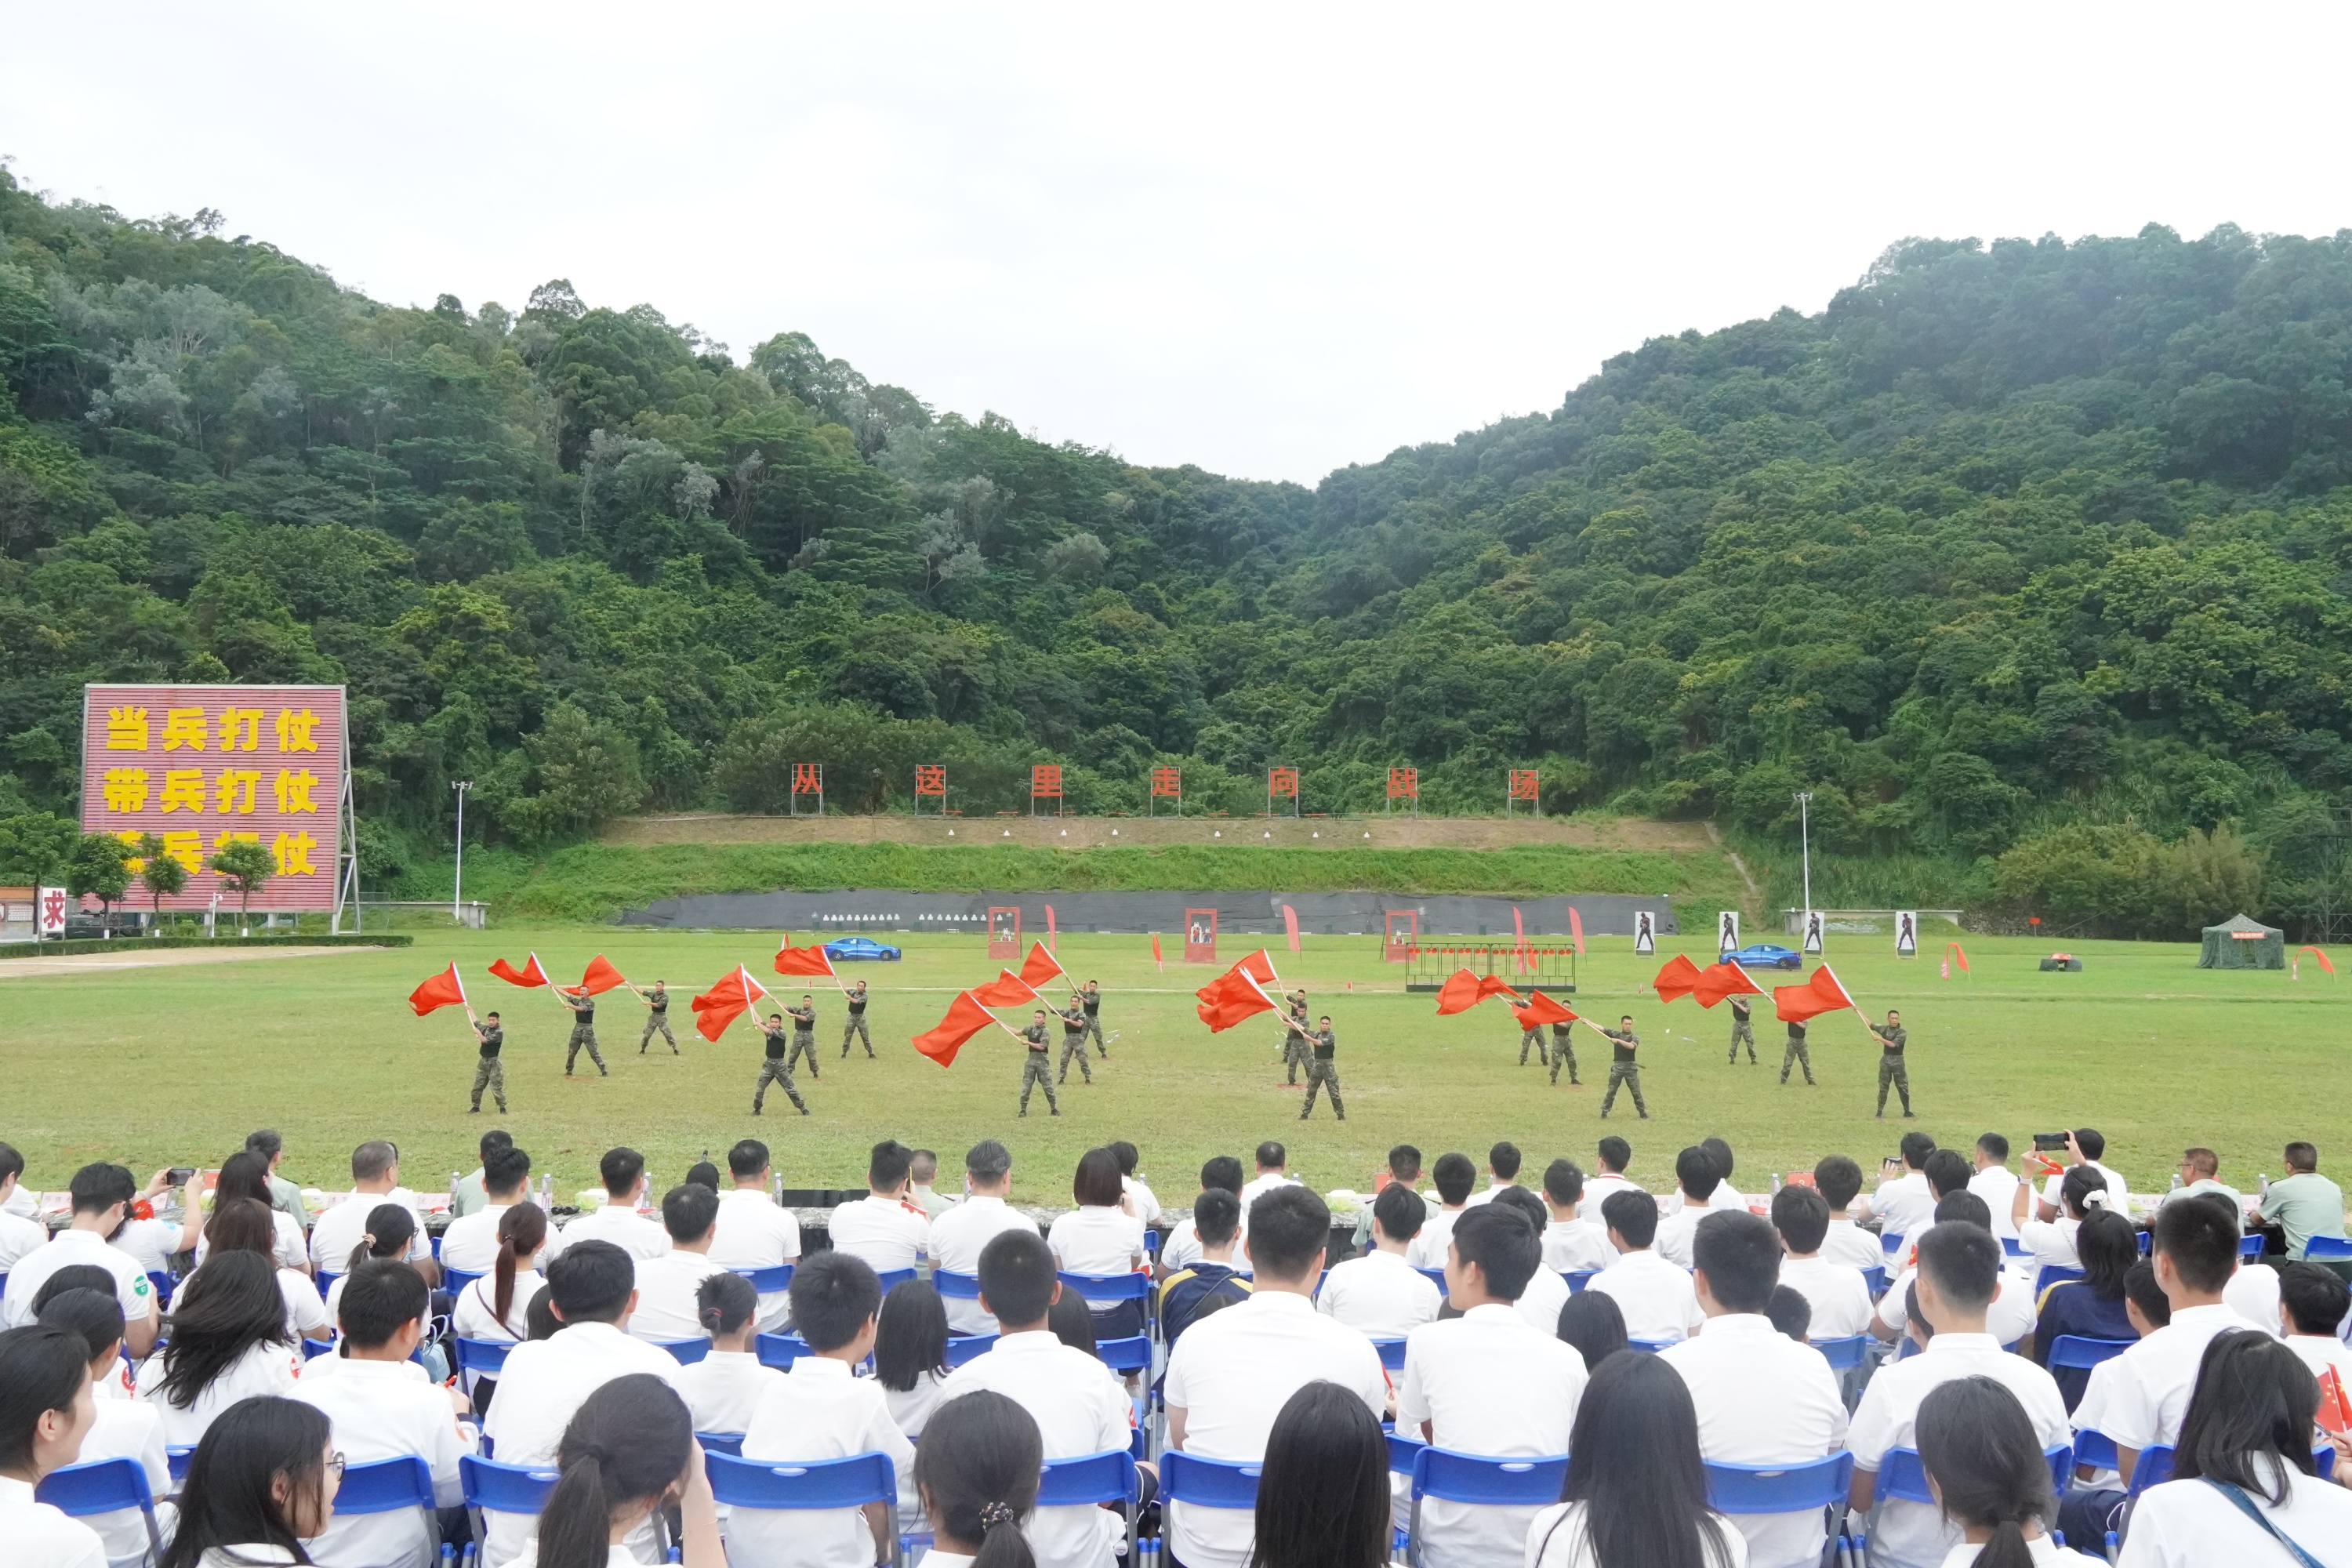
<point>201,767</point>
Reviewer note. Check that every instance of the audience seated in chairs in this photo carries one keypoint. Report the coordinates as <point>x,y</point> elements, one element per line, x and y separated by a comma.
<point>977,1474</point>
<point>667,1308</point>
<point>1572,1245</point>
<point>1217,1222</point>
<point>1835,1292</point>
<point>1635,1493</point>
<point>121,1427</point>
<point>2091,1307</point>
<point>626,1453</point>
<point>1593,1326</point>
<point>1323,1499</point>
<point>910,1352</point>
<point>959,1236</point>
<point>470,1245</point>
<point>493,1307</point>
<point>229,1342</point>
<point>261,1483</point>
<point>1655,1297</point>
<point>1984,1462</point>
<point>46,1411</point>
<point>1379,1294</point>
<point>723,1388</point>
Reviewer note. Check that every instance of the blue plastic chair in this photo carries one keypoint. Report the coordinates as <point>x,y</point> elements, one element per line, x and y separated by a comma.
<point>1111,1287</point>
<point>2050,1275</point>
<point>386,1485</point>
<point>1209,1483</point>
<point>892,1278</point>
<point>1900,1474</point>
<point>686,1352</point>
<point>795,1485</point>
<point>1091,1479</point>
<point>2013,1247</point>
<point>1779,1489</point>
<point>1132,1353</point>
<point>162,1282</point>
<point>313,1349</point>
<point>2250,1245</point>
<point>102,1486</point>
<point>176,1461</point>
<point>1578,1278</point>
<point>493,1488</point>
<point>779,1350</point>
<point>1875,1281</point>
<point>1480,1478</point>
<point>775,1278</point>
<point>2327,1249</point>
<point>720,1442</point>
<point>1647,1347</point>
<point>1843,1353</point>
<point>1435,1277</point>
<point>326,1282</point>
<point>2095,1448</point>
<point>963,1347</point>
<point>2078,1350</point>
<point>455,1280</point>
<point>484,1358</point>
<point>1392,1353</point>
<point>1890,1244</point>
<point>954,1286</point>
<point>2155,1467</point>
<point>1402,1452</point>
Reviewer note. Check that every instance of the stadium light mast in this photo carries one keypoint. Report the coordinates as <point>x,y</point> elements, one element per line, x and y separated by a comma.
<point>1804,799</point>
<point>458,882</point>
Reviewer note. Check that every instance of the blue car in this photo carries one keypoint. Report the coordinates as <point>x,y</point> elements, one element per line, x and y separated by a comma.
<point>1766,955</point>
<point>861,947</point>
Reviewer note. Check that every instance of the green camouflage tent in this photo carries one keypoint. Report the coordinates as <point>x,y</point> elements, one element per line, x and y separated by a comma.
<point>2242,944</point>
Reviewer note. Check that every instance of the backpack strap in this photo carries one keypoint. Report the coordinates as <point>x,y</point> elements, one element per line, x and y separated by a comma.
<point>2246,1506</point>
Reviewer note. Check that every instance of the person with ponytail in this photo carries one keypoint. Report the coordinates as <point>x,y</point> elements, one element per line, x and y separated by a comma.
<point>2093,1307</point>
<point>976,1472</point>
<point>1985,1466</point>
<point>229,1342</point>
<point>261,1483</point>
<point>391,1231</point>
<point>492,1306</point>
<point>2082,1190</point>
<point>724,1387</point>
<point>628,1450</point>
<point>246,1225</point>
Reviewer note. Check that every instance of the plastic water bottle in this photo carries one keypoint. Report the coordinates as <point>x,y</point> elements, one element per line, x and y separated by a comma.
<point>546,1192</point>
<point>2176,1182</point>
<point>455,1177</point>
<point>2266,1183</point>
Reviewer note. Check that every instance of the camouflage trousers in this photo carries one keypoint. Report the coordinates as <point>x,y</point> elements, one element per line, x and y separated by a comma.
<point>1074,1046</point>
<point>1033,1071</point>
<point>855,1029</point>
<point>1531,1037</point>
<point>803,1040</point>
<point>1322,1075</point>
<point>1798,1055</point>
<point>1630,1074</point>
<point>1295,1054</point>
<point>1563,1055</point>
<point>656,1021</point>
<point>1893,1074</point>
<point>491,1074</point>
<point>1743,1032</point>
<point>772,1071</point>
<point>1093,1031</point>
<point>584,1037</point>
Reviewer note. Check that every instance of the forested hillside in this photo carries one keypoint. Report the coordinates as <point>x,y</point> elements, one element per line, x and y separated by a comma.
<point>2029,560</point>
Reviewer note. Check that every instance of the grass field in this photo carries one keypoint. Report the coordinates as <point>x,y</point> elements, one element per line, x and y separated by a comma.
<point>174,1065</point>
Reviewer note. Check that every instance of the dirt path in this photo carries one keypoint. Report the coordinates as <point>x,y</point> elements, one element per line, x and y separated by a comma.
<point>157,958</point>
<point>1755,912</point>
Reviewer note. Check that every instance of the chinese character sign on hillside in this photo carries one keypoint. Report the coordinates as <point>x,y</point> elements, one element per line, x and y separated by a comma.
<point>201,767</point>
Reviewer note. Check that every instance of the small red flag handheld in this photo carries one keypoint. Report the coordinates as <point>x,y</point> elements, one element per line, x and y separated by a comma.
<point>444,990</point>
<point>727,999</point>
<point>1040,966</point>
<point>1678,979</point>
<point>1464,991</point>
<point>530,974</point>
<point>1822,994</point>
<point>807,961</point>
<point>1230,999</point>
<point>600,976</point>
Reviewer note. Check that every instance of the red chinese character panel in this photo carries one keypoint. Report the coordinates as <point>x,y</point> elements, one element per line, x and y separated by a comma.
<point>808,778</point>
<point>1404,783</point>
<point>1282,782</point>
<point>930,780</point>
<point>203,766</point>
<point>1523,783</point>
<point>1167,782</point>
<point>1045,781</point>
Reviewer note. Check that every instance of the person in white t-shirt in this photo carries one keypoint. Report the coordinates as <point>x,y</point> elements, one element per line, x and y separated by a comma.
<point>1761,1397</point>
<point>101,1196</point>
<point>496,1306</point>
<point>382,1410</point>
<point>1655,1295</point>
<point>1996,1183</point>
<point>229,1342</point>
<point>1983,1459</point>
<point>1454,1175</point>
<point>1234,1371</point>
<point>1487,1382</point>
<point>1725,1197</point>
<point>627,1451</point>
<point>2085,1145</point>
<point>1272,1171</point>
<point>910,1354</point>
<point>470,1245</point>
<point>242,1175</point>
<point>242,1224</point>
<point>1839,1299</point>
<point>616,1219</point>
<point>1547,1290</point>
<point>667,1309</point>
<point>978,1478</point>
<point>1183,1247</point>
<point>2243,1487</point>
<point>43,1421</point>
<point>1571,1245</point>
<point>1503,1161</point>
<point>1695,1179</point>
<point>959,1236</point>
<point>390,1231</point>
<point>1635,1477</point>
<point>1100,1237</point>
<point>1838,1179</point>
<point>1610,1159</point>
<point>1141,1200</point>
<point>2010,1317</point>
<point>2313,1302</point>
<point>754,1231</point>
<point>2050,1244</point>
<point>1379,1294</point>
<point>375,1179</point>
<point>120,1427</point>
<point>890,1233</point>
<point>723,1388</point>
<point>1904,1202</point>
<point>19,1235</point>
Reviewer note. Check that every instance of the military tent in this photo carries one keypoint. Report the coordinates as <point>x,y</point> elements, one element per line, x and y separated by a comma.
<point>2242,944</point>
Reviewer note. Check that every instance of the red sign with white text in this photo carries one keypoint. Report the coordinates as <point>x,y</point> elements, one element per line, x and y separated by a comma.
<point>203,766</point>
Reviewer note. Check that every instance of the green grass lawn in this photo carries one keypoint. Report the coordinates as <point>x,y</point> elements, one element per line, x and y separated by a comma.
<point>166,1065</point>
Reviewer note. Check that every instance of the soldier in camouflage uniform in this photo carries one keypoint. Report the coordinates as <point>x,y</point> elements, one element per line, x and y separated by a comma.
<point>1035,1068</point>
<point>488,1072</point>
<point>1742,1028</point>
<point>1529,1034</point>
<point>857,1025</point>
<point>1091,999</point>
<point>803,1019</point>
<point>1073,1040</point>
<point>1564,1054</point>
<point>657,1003</point>
<point>775,1068</point>
<point>1622,1066</point>
<point>1323,1070</point>
<point>584,1030</point>
<point>1891,1073</point>
<point>1297,1038</point>
<point>1797,1054</point>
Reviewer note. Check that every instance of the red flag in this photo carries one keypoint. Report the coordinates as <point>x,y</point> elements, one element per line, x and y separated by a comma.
<point>1230,999</point>
<point>809,960</point>
<point>1007,990</point>
<point>1049,928</point>
<point>1039,966</point>
<point>965,1017</point>
<point>1156,961</point>
<point>2317,957</point>
<point>530,974</point>
<point>1542,1009</point>
<point>1822,994</point>
<point>1717,980</point>
<point>1961,954</point>
<point>1519,930</point>
<point>444,990</point>
<point>1259,967</point>
<point>1678,979</point>
<point>1576,930</point>
<point>1290,924</point>
<point>728,999</point>
<point>600,976</point>
<point>1464,991</point>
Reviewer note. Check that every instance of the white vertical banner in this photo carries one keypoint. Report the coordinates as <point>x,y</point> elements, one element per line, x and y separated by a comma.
<point>1727,931</point>
<point>50,905</point>
<point>1906,933</point>
<point>1812,931</point>
<point>1645,932</point>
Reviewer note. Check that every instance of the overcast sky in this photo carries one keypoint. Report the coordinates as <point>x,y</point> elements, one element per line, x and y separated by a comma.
<point>1267,239</point>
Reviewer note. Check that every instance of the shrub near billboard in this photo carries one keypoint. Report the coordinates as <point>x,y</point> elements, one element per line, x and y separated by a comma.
<point>203,766</point>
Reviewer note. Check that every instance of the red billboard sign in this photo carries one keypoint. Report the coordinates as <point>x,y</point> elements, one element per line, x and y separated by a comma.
<point>201,767</point>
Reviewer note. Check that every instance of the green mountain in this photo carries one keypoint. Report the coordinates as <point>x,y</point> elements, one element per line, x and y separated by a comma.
<point>2029,560</point>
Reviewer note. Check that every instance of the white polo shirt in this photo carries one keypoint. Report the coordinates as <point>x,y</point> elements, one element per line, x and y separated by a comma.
<point>380,1413</point>
<point>307,1316</point>
<point>1849,1244</point>
<point>1840,1300</point>
<point>127,1430</point>
<point>1428,1246</point>
<point>17,1238</point>
<point>1914,1534</point>
<point>1658,1298</point>
<point>2051,1243</point>
<point>1141,1201</point>
<point>262,1369</point>
<point>2118,1194</point>
<point>1262,1183</point>
<point>2155,1378</point>
<point>1231,1373</point>
<point>958,1238</point>
<point>1096,1240</point>
<point>887,1233</point>
<point>1997,1185</point>
<point>149,1241</point>
<point>542,1388</point>
<point>2252,1293</point>
<point>67,1248</point>
<point>43,1534</point>
<point>1080,1408</point>
<point>757,1232</point>
<point>1573,1246</point>
<point>819,1411</point>
<point>2009,1316</point>
<point>1597,1189</point>
<point>1557,1538</point>
<point>470,1245</point>
<point>1183,1247</point>
<point>1540,1302</point>
<point>724,1388</point>
<point>476,1316</point>
<point>1379,1295</point>
<point>666,1308</point>
<point>2188,1524</point>
<point>1485,1194</point>
<point>1488,1384</point>
<point>1727,1199</point>
<point>1675,1231</point>
<point>1763,1399</point>
<point>1904,1205</point>
<point>617,1223</point>
<point>343,1224</point>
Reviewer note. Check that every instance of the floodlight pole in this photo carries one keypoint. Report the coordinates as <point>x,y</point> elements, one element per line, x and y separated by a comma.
<point>457,883</point>
<point>1804,799</point>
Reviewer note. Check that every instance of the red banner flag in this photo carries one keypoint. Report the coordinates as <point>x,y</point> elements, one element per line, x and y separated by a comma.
<point>530,974</point>
<point>1576,930</point>
<point>810,959</point>
<point>729,999</point>
<point>444,990</point>
<point>1040,967</point>
<point>1678,979</point>
<point>965,1017</point>
<point>600,977</point>
<point>1822,994</point>
<point>1717,980</point>
<point>1007,990</point>
<point>1258,966</point>
<point>2317,957</point>
<point>1464,991</point>
<point>1519,930</point>
<point>1157,963</point>
<point>1290,924</point>
<point>1542,1009</point>
<point>1049,928</point>
<point>1230,999</point>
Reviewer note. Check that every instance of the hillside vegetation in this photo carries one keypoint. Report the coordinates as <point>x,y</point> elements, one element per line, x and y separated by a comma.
<point>2028,560</point>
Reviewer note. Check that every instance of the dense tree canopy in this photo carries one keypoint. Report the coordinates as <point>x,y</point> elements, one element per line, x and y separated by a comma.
<point>2008,540</point>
